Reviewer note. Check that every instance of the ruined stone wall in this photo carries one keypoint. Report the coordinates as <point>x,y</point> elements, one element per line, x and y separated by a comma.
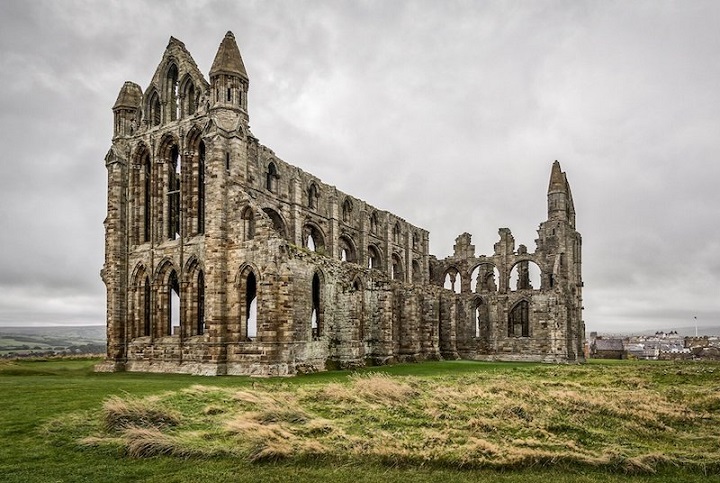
<point>222,258</point>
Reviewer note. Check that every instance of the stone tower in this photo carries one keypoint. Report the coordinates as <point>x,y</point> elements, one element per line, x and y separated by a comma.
<point>221,258</point>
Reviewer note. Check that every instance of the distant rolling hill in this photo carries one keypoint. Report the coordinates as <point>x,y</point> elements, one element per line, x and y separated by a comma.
<point>54,340</point>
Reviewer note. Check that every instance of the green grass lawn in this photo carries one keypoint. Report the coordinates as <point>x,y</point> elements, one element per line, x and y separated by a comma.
<point>50,409</point>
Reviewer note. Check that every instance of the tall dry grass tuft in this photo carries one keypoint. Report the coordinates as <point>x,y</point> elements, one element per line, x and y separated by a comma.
<point>483,448</point>
<point>335,393</point>
<point>263,440</point>
<point>252,397</point>
<point>147,442</point>
<point>381,388</point>
<point>120,414</point>
<point>271,450</point>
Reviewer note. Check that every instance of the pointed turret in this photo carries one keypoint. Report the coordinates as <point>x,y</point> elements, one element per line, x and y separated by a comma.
<point>559,200</point>
<point>127,109</point>
<point>130,96</point>
<point>557,179</point>
<point>228,78</point>
<point>228,59</point>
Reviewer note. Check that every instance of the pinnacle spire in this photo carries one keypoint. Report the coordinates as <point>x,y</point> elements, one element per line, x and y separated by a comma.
<point>228,59</point>
<point>558,182</point>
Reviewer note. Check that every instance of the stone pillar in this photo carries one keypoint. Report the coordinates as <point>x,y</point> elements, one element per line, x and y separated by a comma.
<point>115,269</point>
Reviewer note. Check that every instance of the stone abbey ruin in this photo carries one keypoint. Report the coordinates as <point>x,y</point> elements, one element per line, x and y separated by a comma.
<point>221,258</point>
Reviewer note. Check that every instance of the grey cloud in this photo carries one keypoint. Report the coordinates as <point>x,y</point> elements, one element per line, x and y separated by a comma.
<point>447,114</point>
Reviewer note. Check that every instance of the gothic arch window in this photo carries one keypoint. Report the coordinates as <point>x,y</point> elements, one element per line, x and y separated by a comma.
<point>525,275</point>
<point>248,218</point>
<point>416,272</point>
<point>139,315</point>
<point>174,177</point>
<point>484,278</point>
<point>190,99</point>
<point>174,319</point>
<point>397,232</point>
<point>519,320</point>
<point>374,260</point>
<point>146,168</point>
<point>481,318</point>
<point>249,304</point>
<point>347,249</point>
<point>201,188</point>
<point>316,314</point>
<point>277,222</point>
<point>452,280</point>
<point>374,222</point>
<point>396,271</point>
<point>415,241</point>
<point>172,92</point>
<point>154,116</point>
<point>357,307</point>
<point>313,238</point>
<point>271,178</point>
<point>347,209</point>
<point>200,322</point>
<point>312,196</point>
<point>146,307</point>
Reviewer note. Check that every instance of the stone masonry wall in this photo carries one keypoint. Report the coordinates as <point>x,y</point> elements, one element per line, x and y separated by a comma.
<point>221,258</point>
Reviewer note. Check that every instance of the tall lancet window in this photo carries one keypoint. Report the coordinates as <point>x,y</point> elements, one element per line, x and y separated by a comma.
<point>172,90</point>
<point>201,188</point>
<point>173,310</point>
<point>519,320</point>
<point>174,170</point>
<point>315,318</point>
<point>154,110</point>
<point>147,314</point>
<point>271,178</point>
<point>200,304</point>
<point>251,306</point>
<point>147,197</point>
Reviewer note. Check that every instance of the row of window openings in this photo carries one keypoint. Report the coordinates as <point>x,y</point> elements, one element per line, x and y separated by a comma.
<point>191,97</point>
<point>518,320</point>
<point>173,320</point>
<point>313,195</point>
<point>483,279</point>
<point>250,307</point>
<point>174,201</point>
<point>373,259</point>
<point>173,194</point>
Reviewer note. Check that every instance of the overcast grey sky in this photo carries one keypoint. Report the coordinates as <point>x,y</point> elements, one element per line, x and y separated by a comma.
<point>448,114</point>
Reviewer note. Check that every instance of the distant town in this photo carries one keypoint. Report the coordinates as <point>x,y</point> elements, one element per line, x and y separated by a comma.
<point>658,346</point>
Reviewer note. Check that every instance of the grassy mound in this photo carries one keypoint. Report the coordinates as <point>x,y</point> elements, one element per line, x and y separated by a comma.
<point>629,417</point>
